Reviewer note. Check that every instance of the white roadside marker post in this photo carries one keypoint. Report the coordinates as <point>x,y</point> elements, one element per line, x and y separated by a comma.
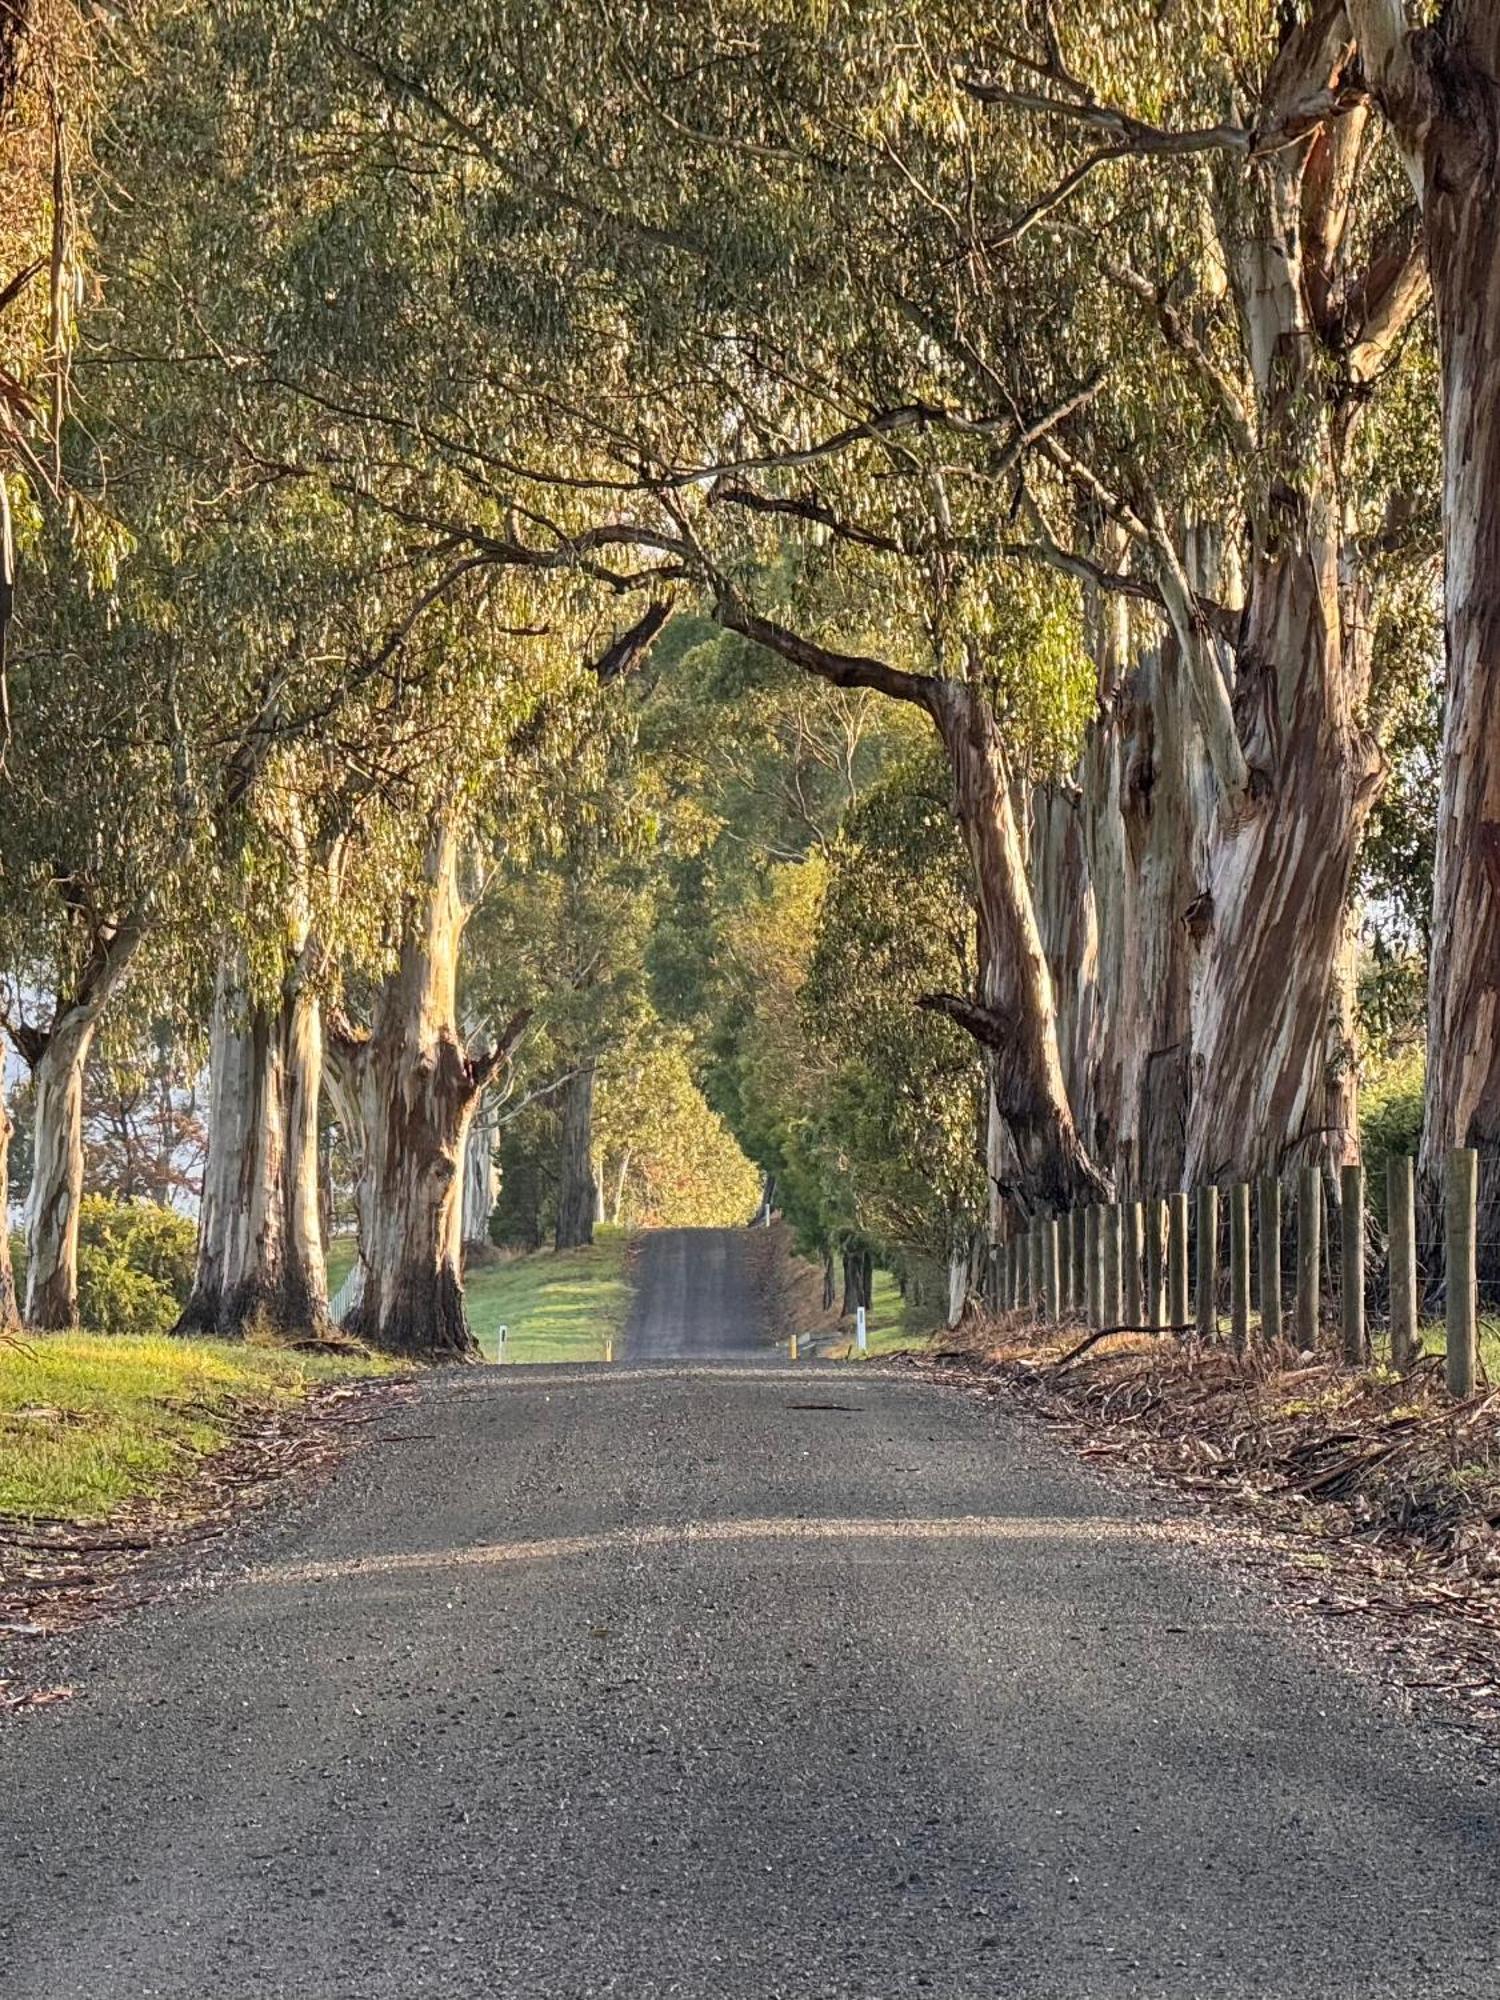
<point>500,1344</point>
<point>861,1337</point>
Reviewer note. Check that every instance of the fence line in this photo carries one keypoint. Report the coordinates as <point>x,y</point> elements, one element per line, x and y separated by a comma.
<point>1128,1264</point>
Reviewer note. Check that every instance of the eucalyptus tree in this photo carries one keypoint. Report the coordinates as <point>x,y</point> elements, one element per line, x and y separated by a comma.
<point>1437,81</point>
<point>911,287</point>
<point>649,340</point>
<point>99,844</point>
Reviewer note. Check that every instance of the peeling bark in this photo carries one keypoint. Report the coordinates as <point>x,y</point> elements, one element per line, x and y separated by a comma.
<point>260,1237</point>
<point>56,1057</point>
<point>416,1088</point>
<point>1275,1081</point>
<point>1016,992</point>
<point>481,1178</point>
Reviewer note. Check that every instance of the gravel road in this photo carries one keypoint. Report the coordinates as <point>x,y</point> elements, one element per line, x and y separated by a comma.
<point>726,1681</point>
<point>695,1297</point>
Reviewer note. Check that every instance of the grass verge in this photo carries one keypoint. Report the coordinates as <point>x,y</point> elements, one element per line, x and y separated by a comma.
<point>90,1421</point>
<point>564,1305</point>
<point>556,1306</point>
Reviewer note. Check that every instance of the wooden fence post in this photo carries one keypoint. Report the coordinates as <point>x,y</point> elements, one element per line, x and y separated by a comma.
<point>1065,1263</point>
<point>1078,1284</point>
<point>1155,1313</point>
<point>1093,1257</point>
<point>1135,1263</point>
<point>1309,1254</point>
<point>1352,1264</point>
<point>1038,1289</point>
<point>1401,1219</point>
<point>1268,1228</point>
<point>1462,1215</point>
<point>1109,1304</point>
<point>1051,1232</point>
<point>1206,1300</point>
<point>1177,1260</point>
<point>1239,1266</point>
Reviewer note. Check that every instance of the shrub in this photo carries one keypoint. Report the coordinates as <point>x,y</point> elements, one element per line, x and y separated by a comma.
<point>135,1265</point>
<point>1390,1119</point>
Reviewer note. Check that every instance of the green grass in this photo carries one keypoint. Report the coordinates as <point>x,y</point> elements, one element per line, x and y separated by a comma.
<point>564,1307</point>
<point>556,1306</point>
<point>89,1421</point>
<point>891,1323</point>
<point>340,1261</point>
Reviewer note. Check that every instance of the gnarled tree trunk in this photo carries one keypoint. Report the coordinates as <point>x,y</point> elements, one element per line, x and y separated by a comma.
<point>416,1088</point>
<point>1038,1159</point>
<point>1275,1069</point>
<point>416,1095</point>
<point>577,1189</point>
<point>260,1237</point>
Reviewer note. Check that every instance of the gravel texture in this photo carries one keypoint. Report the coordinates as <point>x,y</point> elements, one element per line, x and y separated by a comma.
<point>730,1680</point>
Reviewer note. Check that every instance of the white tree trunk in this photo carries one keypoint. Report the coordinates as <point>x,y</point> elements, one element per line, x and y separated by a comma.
<point>260,1238</point>
<point>10,1313</point>
<point>57,1171</point>
<point>481,1177</point>
<point>1454,104</point>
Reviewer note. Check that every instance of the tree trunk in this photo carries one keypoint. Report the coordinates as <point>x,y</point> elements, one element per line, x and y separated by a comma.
<point>57,1172</point>
<point>958,1283</point>
<point>829,1285</point>
<point>622,1181</point>
<point>481,1179</point>
<point>577,1192</point>
<point>1460,158</point>
<point>859,1267</point>
<point>260,1236</point>
<point>416,1095</point>
<point>1276,1076</point>
<point>10,1315</point>
<point>1166,805</point>
<point>1016,1020</point>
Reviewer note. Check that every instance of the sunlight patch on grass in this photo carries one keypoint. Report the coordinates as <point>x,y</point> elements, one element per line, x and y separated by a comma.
<point>89,1421</point>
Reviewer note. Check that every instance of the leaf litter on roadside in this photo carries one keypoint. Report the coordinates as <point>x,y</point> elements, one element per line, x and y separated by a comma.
<point>56,1575</point>
<point>1374,1496</point>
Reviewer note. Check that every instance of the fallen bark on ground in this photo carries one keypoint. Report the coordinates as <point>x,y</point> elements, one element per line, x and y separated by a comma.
<point>56,1575</point>
<point>1373,1497</point>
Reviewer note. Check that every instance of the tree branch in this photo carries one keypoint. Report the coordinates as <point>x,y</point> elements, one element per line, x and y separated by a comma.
<point>623,655</point>
<point>484,1069</point>
<point>846,670</point>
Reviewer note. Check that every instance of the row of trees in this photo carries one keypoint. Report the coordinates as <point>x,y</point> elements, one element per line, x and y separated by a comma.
<point>1100,402</point>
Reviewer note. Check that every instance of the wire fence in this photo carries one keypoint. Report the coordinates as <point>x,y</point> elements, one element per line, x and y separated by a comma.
<point>1279,1263</point>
